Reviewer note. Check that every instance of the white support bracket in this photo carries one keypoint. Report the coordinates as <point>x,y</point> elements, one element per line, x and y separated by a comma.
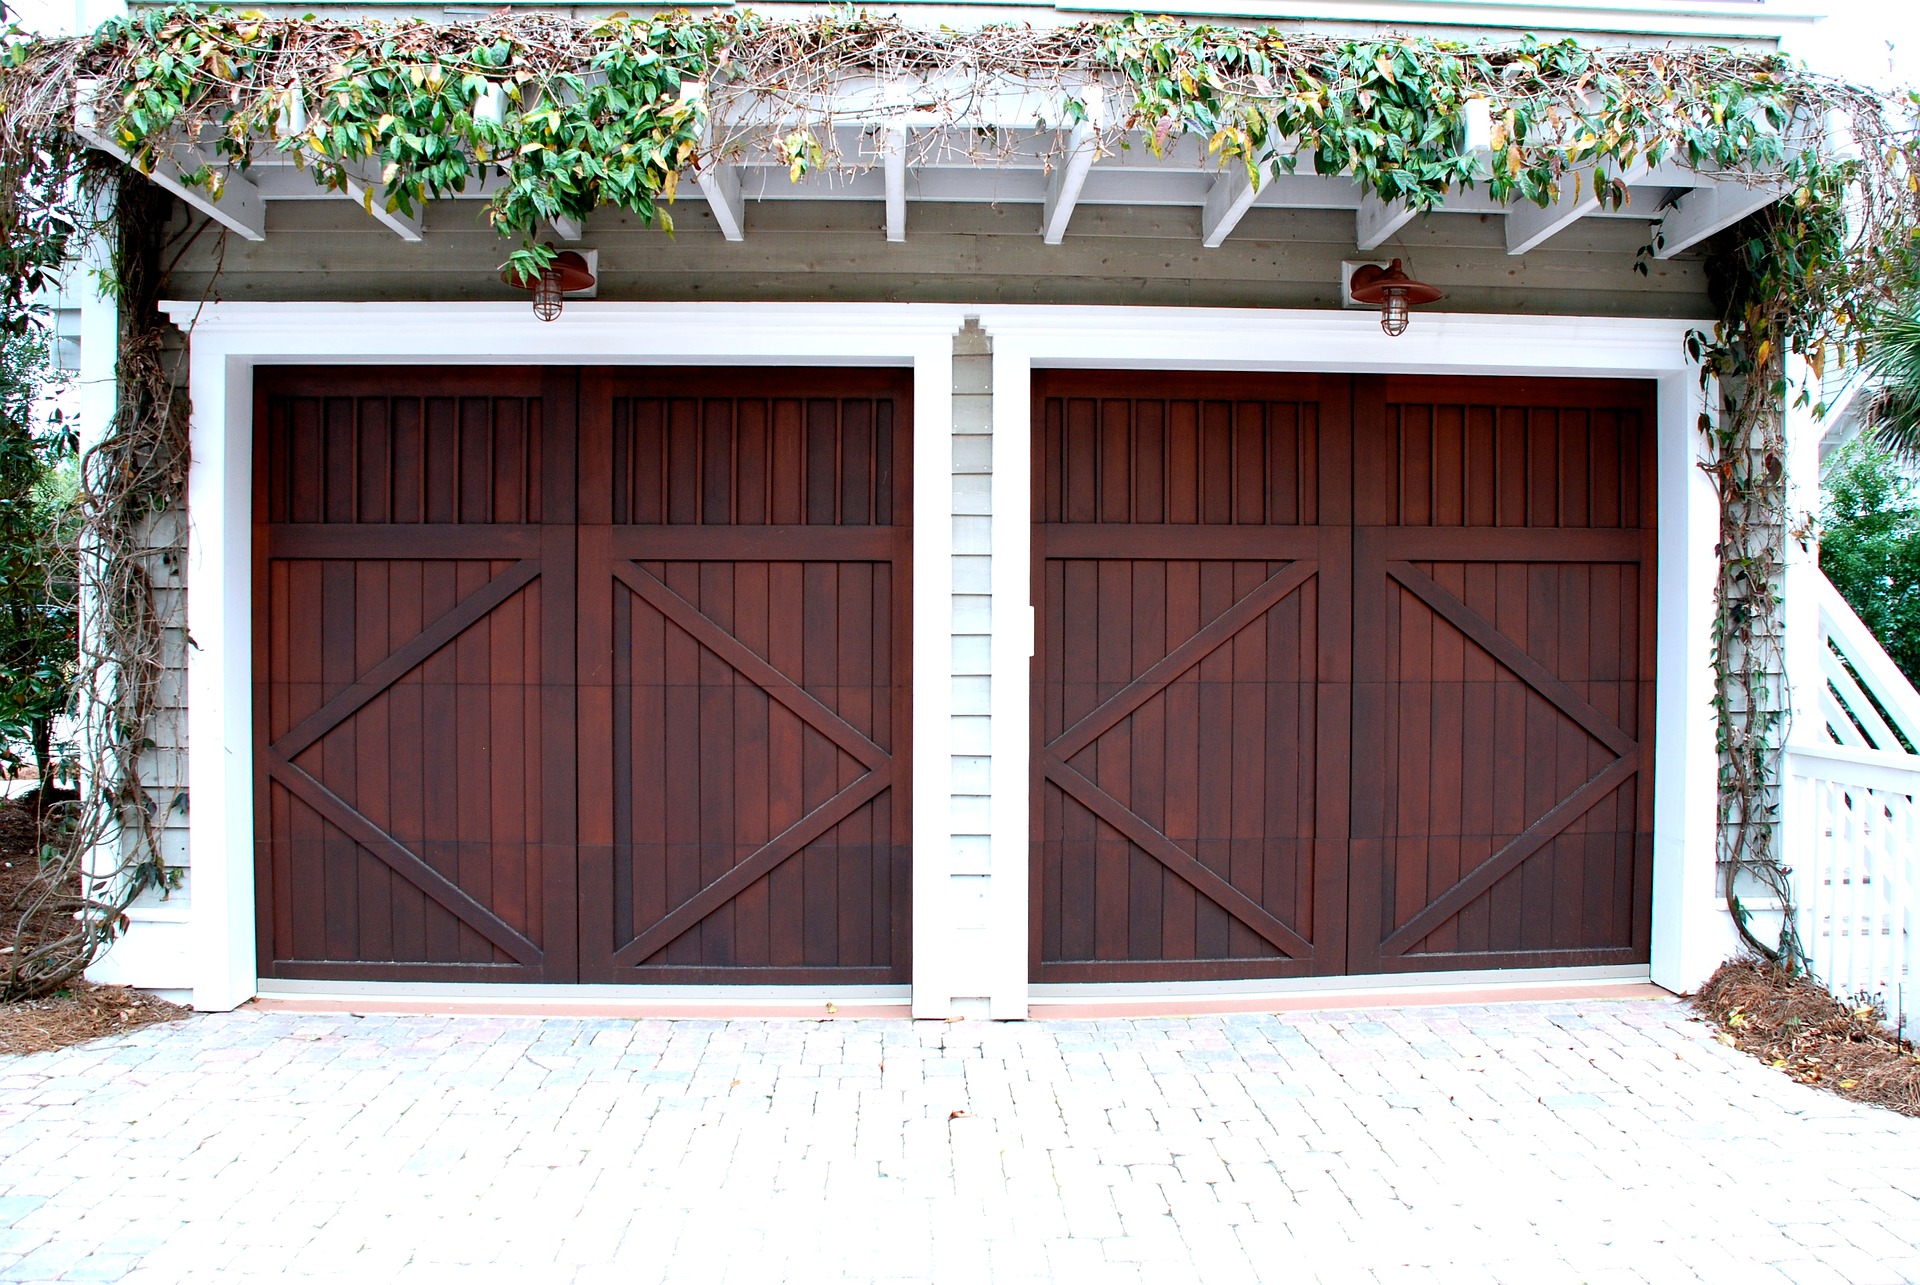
<point>239,206</point>
<point>1530,225</point>
<point>1376,220</point>
<point>720,184</point>
<point>893,160</point>
<point>1070,175</point>
<point>1228,201</point>
<point>370,194</point>
<point>1706,210</point>
<point>567,229</point>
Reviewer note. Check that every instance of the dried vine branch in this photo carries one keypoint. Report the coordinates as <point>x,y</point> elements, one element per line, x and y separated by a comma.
<point>107,850</point>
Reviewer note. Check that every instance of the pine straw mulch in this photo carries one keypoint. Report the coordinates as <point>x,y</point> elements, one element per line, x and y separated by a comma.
<point>1795,1025</point>
<point>80,1011</point>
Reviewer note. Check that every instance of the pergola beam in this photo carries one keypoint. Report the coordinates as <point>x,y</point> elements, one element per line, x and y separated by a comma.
<point>370,194</point>
<point>1228,201</point>
<point>719,182</point>
<point>893,160</point>
<point>1377,220</point>
<point>239,207</point>
<point>1529,226</point>
<point>1706,210</point>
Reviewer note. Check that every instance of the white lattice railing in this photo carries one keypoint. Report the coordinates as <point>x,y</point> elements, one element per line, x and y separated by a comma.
<point>1850,823</point>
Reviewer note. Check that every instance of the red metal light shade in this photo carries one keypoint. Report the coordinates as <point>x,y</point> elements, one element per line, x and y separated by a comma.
<point>568,272</point>
<point>1394,291</point>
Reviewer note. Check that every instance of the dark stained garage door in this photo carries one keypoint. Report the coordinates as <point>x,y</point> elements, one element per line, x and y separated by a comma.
<point>1340,675</point>
<point>582,675</point>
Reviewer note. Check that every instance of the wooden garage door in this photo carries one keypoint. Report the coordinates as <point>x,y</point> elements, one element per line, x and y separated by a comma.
<point>1339,675</point>
<point>542,696</point>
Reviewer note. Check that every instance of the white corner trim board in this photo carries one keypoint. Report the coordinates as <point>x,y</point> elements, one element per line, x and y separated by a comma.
<point>230,339</point>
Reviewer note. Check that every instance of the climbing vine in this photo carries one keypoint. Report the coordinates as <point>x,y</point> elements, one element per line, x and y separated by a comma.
<point>559,116</point>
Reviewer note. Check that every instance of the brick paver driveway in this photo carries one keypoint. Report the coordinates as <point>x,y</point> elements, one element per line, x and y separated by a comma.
<point>1528,1143</point>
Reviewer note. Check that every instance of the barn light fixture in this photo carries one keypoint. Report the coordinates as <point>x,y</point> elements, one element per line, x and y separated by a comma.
<point>567,273</point>
<point>1394,291</point>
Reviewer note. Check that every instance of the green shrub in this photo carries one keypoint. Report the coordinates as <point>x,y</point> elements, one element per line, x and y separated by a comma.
<point>38,619</point>
<point>1870,545</point>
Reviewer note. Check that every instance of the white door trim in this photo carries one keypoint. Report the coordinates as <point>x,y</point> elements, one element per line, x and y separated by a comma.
<point>1690,932</point>
<point>230,339</point>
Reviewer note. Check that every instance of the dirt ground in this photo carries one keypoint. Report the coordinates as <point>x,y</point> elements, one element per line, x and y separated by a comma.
<point>80,1011</point>
<point>1794,1025</point>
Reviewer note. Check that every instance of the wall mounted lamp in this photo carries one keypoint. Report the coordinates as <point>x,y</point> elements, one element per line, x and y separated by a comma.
<point>567,274</point>
<point>1392,291</point>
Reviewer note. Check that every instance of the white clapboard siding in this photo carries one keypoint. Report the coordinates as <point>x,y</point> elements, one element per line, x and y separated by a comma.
<point>970,760</point>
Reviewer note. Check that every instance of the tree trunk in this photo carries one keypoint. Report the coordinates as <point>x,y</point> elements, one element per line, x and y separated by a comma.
<point>42,737</point>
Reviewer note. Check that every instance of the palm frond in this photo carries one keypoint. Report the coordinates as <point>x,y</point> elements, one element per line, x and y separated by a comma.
<point>1893,362</point>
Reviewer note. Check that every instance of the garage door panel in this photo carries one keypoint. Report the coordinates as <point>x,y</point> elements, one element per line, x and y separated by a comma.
<point>409,685</point>
<point>1463,678</point>
<point>1500,730</point>
<point>414,456</point>
<point>743,641</point>
<point>825,906</point>
<point>728,769</point>
<point>1476,452</point>
<point>711,764</point>
<point>1214,450</point>
<point>728,676</point>
<point>1117,908</point>
<point>356,894</point>
<point>1480,784</point>
<point>755,457</point>
<point>1574,896</point>
<point>1182,664</point>
<point>1181,661</point>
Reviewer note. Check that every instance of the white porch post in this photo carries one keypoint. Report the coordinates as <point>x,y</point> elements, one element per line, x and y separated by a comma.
<point>939,965</point>
<point>1692,932</point>
<point>1012,670</point>
<point>1801,640</point>
<point>219,679</point>
<point>1801,644</point>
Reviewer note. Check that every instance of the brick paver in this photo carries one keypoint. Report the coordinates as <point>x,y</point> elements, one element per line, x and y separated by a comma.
<point>1601,1141</point>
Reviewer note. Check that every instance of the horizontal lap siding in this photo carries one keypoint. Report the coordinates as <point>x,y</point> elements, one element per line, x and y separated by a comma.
<point>960,253</point>
<point>973,860</point>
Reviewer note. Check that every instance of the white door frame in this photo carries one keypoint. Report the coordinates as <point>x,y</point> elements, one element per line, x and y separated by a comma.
<point>1691,932</point>
<point>230,339</point>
